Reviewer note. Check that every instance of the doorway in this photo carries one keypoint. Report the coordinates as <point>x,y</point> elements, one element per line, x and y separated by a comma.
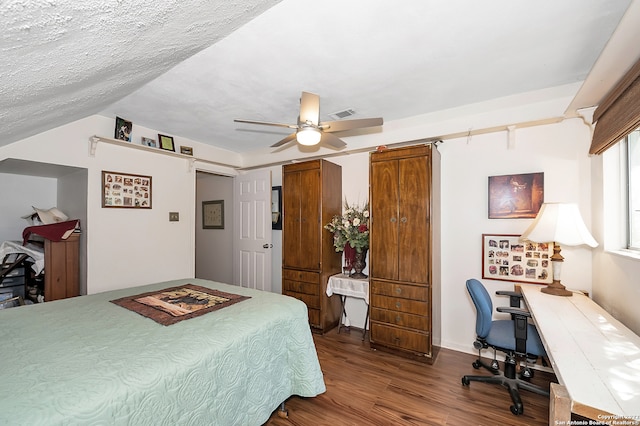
<point>214,245</point>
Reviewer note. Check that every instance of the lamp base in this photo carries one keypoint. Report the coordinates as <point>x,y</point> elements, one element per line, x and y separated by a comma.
<point>556,289</point>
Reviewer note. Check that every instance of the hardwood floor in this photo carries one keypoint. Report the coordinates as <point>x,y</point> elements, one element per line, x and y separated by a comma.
<point>366,387</point>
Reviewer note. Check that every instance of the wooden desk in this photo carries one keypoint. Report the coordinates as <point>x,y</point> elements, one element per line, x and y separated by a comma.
<point>595,357</point>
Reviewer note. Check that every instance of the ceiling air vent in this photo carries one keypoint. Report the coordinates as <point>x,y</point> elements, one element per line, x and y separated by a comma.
<point>342,114</point>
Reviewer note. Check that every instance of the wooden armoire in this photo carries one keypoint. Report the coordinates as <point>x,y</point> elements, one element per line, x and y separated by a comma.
<point>311,196</point>
<point>404,265</point>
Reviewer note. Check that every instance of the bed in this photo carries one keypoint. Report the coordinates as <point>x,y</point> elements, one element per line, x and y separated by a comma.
<point>86,360</point>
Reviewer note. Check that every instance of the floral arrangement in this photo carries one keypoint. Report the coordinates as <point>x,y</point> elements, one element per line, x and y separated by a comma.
<point>351,230</point>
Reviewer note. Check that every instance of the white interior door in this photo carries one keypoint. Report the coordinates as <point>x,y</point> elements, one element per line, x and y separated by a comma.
<point>252,228</point>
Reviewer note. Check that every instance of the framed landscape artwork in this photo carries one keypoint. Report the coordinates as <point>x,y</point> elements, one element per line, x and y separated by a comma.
<point>515,196</point>
<point>506,258</point>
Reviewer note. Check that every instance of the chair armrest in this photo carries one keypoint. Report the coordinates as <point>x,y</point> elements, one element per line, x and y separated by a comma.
<point>514,297</point>
<point>514,311</point>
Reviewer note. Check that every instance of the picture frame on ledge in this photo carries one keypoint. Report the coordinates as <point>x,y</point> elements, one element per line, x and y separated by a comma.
<point>505,257</point>
<point>151,143</point>
<point>123,129</point>
<point>166,142</point>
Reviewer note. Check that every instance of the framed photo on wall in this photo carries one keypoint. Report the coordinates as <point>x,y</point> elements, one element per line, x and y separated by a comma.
<point>515,196</point>
<point>126,190</point>
<point>506,258</point>
<point>213,214</point>
<point>276,207</point>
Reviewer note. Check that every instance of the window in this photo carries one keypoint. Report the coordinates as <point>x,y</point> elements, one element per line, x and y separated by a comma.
<point>632,142</point>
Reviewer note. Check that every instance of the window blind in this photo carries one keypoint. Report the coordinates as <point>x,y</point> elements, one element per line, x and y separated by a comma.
<point>619,113</point>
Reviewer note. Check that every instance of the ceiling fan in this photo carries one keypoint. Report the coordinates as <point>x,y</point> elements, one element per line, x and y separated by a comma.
<point>310,131</point>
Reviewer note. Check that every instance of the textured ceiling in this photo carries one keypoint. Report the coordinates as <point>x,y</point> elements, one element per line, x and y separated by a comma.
<point>64,60</point>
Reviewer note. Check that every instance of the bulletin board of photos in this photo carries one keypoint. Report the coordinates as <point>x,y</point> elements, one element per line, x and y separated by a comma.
<point>126,190</point>
<point>507,258</point>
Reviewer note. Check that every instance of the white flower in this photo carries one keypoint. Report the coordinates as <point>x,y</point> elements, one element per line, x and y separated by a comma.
<point>365,213</point>
<point>356,221</point>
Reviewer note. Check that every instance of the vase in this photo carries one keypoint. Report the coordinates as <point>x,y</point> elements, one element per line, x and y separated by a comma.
<point>359,264</point>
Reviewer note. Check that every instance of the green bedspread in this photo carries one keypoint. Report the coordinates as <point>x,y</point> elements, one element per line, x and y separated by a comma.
<point>87,361</point>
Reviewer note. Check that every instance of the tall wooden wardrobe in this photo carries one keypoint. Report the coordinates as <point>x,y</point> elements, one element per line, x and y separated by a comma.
<point>404,265</point>
<point>311,196</point>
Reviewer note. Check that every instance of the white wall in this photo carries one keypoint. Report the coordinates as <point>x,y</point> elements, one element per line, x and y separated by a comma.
<point>126,247</point>
<point>19,194</point>
<point>557,150</point>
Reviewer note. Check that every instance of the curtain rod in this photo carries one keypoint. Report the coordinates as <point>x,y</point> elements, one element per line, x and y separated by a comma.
<point>428,140</point>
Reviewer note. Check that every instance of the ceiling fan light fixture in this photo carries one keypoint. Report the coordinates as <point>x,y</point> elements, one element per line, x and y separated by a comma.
<point>308,136</point>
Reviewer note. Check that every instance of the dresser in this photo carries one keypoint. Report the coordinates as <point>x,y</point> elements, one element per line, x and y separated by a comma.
<point>62,268</point>
<point>404,264</point>
<point>311,196</point>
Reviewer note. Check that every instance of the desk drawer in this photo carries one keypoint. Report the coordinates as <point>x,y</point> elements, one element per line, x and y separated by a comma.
<point>401,305</point>
<point>418,322</point>
<point>305,276</point>
<point>400,290</point>
<point>400,338</point>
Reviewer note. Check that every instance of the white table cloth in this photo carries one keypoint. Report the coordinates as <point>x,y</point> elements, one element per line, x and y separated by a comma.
<point>345,286</point>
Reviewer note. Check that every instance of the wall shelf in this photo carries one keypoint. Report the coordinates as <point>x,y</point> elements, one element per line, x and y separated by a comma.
<point>94,140</point>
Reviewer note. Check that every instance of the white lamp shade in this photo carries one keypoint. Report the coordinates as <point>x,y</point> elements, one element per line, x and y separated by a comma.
<point>561,223</point>
<point>308,136</point>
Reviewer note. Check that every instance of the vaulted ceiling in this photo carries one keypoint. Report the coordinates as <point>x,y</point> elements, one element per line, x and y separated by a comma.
<point>189,68</point>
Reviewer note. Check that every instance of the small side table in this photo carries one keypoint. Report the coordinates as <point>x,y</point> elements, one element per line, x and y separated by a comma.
<point>345,286</point>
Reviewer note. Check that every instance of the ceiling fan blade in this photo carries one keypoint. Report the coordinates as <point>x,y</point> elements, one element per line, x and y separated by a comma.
<point>309,108</point>
<point>266,123</point>
<point>289,138</point>
<point>339,126</point>
<point>332,140</point>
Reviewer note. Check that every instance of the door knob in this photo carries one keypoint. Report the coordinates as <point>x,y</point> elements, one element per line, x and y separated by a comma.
<point>267,245</point>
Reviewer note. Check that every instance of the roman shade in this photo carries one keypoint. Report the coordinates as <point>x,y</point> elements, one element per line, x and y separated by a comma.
<point>619,113</point>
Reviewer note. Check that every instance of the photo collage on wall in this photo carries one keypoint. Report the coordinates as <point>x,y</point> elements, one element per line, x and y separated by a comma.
<point>126,190</point>
<point>507,258</point>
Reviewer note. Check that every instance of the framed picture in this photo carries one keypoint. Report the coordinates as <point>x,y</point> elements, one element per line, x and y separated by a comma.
<point>187,150</point>
<point>276,207</point>
<point>125,190</point>
<point>166,142</point>
<point>213,214</point>
<point>123,129</point>
<point>149,142</point>
<point>507,258</point>
<point>515,196</point>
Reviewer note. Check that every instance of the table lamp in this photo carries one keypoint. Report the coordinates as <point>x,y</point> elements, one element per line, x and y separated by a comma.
<point>560,223</point>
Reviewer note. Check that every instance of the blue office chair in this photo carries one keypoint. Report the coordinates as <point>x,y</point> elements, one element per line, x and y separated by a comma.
<point>515,337</point>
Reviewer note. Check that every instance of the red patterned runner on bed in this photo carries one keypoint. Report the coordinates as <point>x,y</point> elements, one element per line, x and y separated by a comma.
<point>175,304</point>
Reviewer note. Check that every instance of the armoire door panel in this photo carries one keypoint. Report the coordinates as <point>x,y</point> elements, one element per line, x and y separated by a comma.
<point>413,238</point>
<point>384,220</point>
<point>310,227</point>
<point>291,223</point>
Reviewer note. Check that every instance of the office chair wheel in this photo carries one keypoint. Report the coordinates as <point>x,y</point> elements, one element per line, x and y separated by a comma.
<point>517,410</point>
<point>526,373</point>
<point>465,381</point>
<point>476,364</point>
<point>495,365</point>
